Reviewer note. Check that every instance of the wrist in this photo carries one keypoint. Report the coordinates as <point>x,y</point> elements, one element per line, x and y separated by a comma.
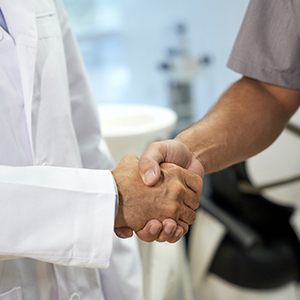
<point>183,139</point>
<point>119,219</point>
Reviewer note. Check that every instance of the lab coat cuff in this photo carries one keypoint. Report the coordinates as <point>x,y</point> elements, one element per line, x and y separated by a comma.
<point>65,217</point>
<point>117,198</point>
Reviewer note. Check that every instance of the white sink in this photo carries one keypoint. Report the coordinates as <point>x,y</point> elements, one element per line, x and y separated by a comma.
<point>129,129</point>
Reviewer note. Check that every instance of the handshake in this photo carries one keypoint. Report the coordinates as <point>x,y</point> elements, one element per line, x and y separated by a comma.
<point>159,193</point>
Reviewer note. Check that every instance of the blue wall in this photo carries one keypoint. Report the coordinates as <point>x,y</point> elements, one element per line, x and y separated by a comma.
<point>124,41</point>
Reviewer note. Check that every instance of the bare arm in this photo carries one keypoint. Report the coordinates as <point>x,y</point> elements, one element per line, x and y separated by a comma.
<point>247,119</point>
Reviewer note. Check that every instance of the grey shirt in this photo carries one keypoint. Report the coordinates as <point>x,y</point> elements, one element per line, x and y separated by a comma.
<point>268,45</point>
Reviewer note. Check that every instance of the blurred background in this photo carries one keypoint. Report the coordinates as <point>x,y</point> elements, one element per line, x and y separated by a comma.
<point>124,43</point>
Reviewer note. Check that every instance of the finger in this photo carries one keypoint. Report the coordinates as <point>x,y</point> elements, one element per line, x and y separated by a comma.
<point>192,181</point>
<point>124,232</point>
<point>190,199</point>
<point>169,228</point>
<point>196,167</point>
<point>184,226</point>
<point>188,215</point>
<point>181,229</point>
<point>151,231</point>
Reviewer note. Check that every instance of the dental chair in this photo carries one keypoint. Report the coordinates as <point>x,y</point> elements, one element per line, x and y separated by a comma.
<point>250,250</point>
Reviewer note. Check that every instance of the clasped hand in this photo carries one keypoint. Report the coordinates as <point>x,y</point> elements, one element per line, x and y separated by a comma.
<point>164,208</point>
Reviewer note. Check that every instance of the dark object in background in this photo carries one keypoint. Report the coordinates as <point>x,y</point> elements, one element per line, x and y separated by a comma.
<point>272,259</point>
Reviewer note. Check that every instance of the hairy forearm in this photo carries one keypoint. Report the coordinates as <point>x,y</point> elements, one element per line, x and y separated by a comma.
<point>246,120</point>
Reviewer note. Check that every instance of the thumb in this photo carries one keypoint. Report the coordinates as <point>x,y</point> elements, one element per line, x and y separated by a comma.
<point>149,170</point>
<point>197,167</point>
<point>170,151</point>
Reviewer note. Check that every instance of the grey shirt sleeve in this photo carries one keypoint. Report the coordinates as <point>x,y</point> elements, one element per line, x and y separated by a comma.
<point>268,46</point>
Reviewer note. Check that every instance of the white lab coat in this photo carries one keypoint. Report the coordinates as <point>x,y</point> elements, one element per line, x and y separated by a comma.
<point>56,214</point>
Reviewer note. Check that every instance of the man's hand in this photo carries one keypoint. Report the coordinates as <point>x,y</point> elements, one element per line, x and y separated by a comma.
<point>175,195</point>
<point>233,131</point>
<point>169,151</point>
<point>172,151</point>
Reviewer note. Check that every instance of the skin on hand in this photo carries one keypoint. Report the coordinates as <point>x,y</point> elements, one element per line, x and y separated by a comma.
<point>169,151</point>
<point>172,151</point>
<point>176,195</point>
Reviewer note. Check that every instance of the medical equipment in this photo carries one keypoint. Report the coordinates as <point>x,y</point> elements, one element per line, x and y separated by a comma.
<point>182,68</point>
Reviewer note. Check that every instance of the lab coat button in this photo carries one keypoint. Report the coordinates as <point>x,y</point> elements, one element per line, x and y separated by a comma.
<point>75,296</point>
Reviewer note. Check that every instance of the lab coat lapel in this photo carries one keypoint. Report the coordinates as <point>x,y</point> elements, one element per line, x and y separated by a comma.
<point>21,19</point>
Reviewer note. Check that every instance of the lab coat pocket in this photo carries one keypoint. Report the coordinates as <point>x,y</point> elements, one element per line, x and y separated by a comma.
<point>47,25</point>
<point>13,294</point>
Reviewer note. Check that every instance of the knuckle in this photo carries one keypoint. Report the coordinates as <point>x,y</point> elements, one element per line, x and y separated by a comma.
<point>155,147</point>
<point>144,159</point>
<point>145,163</point>
<point>197,205</point>
<point>193,217</point>
<point>184,226</point>
<point>195,202</point>
<point>173,210</point>
<point>199,184</point>
<point>177,188</point>
<point>190,217</point>
<point>193,205</point>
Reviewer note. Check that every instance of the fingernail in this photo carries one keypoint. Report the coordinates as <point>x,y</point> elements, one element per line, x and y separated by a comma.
<point>154,229</point>
<point>178,232</point>
<point>149,176</point>
<point>121,235</point>
<point>168,229</point>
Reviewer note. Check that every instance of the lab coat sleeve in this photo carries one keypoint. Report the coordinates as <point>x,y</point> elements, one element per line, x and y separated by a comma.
<point>62,215</point>
<point>57,215</point>
<point>93,149</point>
